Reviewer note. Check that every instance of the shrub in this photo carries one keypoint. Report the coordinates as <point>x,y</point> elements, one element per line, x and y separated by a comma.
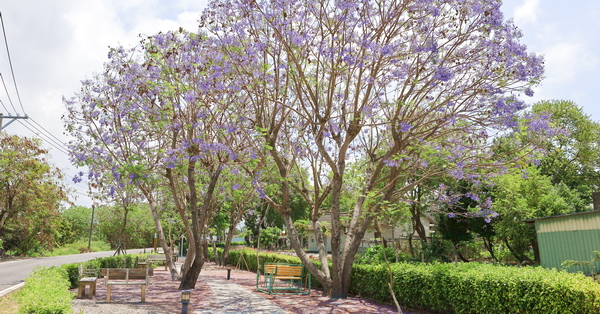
<point>374,255</point>
<point>479,288</point>
<point>233,244</point>
<point>45,291</point>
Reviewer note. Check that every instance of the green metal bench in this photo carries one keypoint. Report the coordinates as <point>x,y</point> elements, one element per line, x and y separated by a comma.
<point>283,279</point>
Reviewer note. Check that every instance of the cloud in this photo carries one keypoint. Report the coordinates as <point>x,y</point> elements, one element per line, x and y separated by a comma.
<point>566,60</point>
<point>527,12</point>
<point>56,44</point>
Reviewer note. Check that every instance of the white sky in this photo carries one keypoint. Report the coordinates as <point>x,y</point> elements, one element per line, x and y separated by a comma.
<point>56,44</point>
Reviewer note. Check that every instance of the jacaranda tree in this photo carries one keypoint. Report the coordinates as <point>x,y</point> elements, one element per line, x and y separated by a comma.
<point>162,115</point>
<point>412,89</point>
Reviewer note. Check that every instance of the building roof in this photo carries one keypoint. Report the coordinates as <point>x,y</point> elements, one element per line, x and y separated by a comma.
<point>560,216</point>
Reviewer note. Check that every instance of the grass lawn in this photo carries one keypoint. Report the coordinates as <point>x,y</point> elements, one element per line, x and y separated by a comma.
<point>8,303</point>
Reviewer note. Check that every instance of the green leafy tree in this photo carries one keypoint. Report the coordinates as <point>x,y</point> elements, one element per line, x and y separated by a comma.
<point>76,225</point>
<point>269,236</point>
<point>460,223</point>
<point>573,155</point>
<point>30,196</point>
<point>518,196</point>
<point>137,232</point>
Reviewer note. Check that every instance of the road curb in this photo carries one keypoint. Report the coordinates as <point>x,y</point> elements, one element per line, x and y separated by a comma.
<point>11,289</point>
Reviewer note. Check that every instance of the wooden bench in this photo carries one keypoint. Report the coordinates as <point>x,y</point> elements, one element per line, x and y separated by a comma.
<point>155,259</point>
<point>87,277</point>
<point>126,276</point>
<point>292,278</point>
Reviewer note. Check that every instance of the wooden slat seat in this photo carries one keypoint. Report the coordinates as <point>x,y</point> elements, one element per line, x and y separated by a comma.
<point>85,280</point>
<point>126,276</point>
<point>155,259</point>
<point>295,277</point>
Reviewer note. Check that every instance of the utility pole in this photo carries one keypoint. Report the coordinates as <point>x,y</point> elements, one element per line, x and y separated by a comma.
<point>11,121</point>
<point>91,228</point>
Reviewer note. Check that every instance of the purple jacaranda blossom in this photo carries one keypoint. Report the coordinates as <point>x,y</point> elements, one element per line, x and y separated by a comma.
<point>443,74</point>
<point>405,127</point>
<point>541,124</point>
<point>529,92</point>
<point>472,196</point>
<point>391,162</point>
<point>261,193</point>
<point>77,179</point>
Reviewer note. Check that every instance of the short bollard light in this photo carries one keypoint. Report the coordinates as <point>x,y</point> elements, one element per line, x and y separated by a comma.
<point>228,272</point>
<point>185,300</point>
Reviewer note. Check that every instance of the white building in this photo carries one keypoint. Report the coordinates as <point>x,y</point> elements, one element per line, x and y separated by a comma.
<point>402,231</point>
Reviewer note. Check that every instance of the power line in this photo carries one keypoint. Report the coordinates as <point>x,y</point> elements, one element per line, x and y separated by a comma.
<point>49,140</point>
<point>43,134</point>
<point>52,140</point>
<point>57,139</point>
<point>10,63</point>
<point>4,106</point>
<point>77,192</point>
<point>57,143</point>
<point>8,94</point>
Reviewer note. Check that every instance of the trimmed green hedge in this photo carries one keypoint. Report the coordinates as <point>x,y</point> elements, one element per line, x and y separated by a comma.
<point>46,291</point>
<point>462,287</point>
<point>479,288</point>
<point>233,244</point>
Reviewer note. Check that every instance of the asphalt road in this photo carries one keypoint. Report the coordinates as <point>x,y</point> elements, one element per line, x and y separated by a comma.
<point>13,273</point>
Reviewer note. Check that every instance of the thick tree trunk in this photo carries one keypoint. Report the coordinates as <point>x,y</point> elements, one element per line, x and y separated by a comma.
<point>191,276</point>
<point>338,289</point>
<point>417,224</point>
<point>190,256</point>
<point>160,232</point>
<point>186,223</point>
<point>199,217</point>
<point>353,239</point>
<point>188,280</point>
<point>121,246</point>
<point>490,247</point>
<point>522,258</point>
<point>322,275</point>
<point>225,254</point>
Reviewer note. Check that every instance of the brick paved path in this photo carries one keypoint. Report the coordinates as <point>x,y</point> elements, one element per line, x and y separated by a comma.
<point>215,294</point>
<point>229,297</point>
